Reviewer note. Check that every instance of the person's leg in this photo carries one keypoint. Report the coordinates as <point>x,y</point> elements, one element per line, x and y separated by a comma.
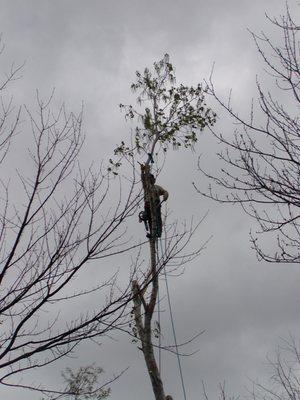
<point>148,216</point>
<point>158,220</point>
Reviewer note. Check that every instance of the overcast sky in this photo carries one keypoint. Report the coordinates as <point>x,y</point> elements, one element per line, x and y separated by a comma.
<point>89,50</point>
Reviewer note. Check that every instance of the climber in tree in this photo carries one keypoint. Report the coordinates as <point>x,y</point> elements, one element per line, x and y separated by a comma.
<point>158,191</point>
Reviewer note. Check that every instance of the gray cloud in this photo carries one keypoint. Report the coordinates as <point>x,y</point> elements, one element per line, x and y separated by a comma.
<point>89,52</point>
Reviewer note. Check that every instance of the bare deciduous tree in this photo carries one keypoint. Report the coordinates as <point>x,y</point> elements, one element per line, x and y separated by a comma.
<point>283,381</point>
<point>261,162</point>
<point>53,223</point>
<point>284,377</point>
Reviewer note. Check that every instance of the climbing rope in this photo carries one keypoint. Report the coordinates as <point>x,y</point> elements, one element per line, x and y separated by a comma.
<point>159,333</point>
<point>142,218</point>
<point>158,313</point>
<point>172,324</point>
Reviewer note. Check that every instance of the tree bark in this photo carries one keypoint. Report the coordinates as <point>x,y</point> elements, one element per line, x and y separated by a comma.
<point>143,322</point>
<point>145,335</point>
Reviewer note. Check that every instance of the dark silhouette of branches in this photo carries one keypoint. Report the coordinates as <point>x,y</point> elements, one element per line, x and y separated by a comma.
<point>283,382</point>
<point>261,161</point>
<point>53,223</point>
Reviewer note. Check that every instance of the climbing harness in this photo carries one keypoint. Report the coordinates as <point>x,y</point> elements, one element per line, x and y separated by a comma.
<point>146,217</point>
<point>143,217</point>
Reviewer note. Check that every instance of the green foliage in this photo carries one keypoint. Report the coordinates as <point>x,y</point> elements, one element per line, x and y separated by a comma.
<point>167,114</point>
<point>82,384</point>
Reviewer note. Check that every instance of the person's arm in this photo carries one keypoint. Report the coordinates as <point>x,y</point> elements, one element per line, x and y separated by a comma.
<point>162,192</point>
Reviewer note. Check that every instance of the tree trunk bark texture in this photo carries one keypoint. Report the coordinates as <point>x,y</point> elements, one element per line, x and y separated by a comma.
<point>143,320</point>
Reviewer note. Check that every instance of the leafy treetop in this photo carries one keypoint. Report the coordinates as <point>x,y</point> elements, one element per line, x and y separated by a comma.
<point>167,114</point>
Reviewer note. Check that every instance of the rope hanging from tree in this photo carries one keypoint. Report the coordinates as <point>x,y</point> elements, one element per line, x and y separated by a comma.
<point>152,218</point>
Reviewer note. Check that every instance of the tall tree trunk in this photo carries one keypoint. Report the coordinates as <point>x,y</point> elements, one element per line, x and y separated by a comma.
<point>145,335</point>
<point>143,320</point>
